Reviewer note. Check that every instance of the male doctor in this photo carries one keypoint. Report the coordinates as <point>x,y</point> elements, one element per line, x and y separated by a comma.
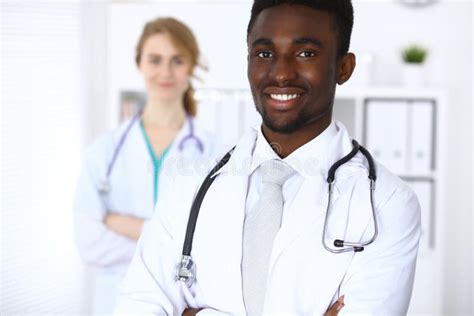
<point>258,240</point>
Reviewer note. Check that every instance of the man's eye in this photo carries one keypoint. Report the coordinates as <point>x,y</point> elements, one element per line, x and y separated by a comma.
<point>155,61</point>
<point>306,54</point>
<point>265,55</point>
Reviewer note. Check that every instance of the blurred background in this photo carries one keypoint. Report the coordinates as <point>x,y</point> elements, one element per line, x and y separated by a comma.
<point>68,74</point>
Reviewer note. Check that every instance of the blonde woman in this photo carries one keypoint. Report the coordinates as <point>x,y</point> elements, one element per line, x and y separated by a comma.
<point>127,170</point>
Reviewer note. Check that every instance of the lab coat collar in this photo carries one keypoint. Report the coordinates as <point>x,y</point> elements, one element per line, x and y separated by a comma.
<point>190,145</point>
<point>190,160</point>
<point>240,160</point>
<point>134,141</point>
<point>308,160</point>
<point>312,159</point>
<point>136,133</point>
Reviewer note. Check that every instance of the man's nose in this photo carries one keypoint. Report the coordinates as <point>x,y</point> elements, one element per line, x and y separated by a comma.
<point>283,71</point>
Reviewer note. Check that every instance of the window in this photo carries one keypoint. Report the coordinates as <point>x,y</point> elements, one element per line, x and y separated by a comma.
<point>41,144</point>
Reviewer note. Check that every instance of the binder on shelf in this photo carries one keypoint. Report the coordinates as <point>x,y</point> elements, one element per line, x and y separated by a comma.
<point>386,134</point>
<point>422,137</point>
<point>344,110</point>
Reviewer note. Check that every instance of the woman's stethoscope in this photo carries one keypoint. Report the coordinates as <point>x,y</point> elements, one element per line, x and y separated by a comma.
<point>104,186</point>
<point>186,270</point>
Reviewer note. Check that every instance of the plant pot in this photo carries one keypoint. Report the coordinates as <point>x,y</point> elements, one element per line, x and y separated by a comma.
<point>413,75</point>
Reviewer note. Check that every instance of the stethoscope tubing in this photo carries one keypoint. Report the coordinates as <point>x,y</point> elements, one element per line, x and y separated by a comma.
<point>120,144</point>
<point>191,136</point>
<point>347,246</point>
<point>198,199</point>
<point>104,188</point>
<point>186,270</point>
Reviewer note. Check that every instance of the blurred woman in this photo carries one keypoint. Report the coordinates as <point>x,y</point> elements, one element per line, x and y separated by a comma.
<point>128,169</point>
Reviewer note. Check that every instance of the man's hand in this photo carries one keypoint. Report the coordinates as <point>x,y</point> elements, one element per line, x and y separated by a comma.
<point>125,225</point>
<point>333,311</point>
<point>336,307</point>
<point>190,311</point>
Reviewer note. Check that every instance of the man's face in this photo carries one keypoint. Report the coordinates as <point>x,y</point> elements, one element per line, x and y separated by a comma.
<point>292,66</point>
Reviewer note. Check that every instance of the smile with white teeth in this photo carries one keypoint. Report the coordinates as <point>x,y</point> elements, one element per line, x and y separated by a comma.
<point>284,97</point>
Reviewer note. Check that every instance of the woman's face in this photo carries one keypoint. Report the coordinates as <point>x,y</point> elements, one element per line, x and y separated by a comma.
<point>166,70</point>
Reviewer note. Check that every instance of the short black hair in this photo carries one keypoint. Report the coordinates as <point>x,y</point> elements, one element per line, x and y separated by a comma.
<point>342,11</point>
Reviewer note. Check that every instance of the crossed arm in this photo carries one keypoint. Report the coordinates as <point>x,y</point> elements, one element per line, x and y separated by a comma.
<point>333,311</point>
<point>378,281</point>
<point>126,225</point>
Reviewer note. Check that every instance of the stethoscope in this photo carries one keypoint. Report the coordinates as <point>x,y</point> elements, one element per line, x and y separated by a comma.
<point>104,186</point>
<point>186,270</point>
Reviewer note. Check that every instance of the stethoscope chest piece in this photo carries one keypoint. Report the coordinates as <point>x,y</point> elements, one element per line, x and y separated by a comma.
<point>186,271</point>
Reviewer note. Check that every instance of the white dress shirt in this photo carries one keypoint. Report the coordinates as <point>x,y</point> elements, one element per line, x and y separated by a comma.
<point>303,160</point>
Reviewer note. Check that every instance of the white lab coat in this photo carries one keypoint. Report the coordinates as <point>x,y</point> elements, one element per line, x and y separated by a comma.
<point>131,193</point>
<point>304,278</point>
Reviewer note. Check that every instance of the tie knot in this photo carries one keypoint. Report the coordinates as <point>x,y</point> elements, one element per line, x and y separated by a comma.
<point>276,171</point>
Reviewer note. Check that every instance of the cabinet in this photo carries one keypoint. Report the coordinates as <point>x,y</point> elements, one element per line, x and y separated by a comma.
<point>403,129</point>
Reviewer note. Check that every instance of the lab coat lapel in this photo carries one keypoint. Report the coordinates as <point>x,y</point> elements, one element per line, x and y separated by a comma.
<point>299,242</point>
<point>305,213</point>
<point>132,172</point>
<point>138,147</point>
<point>219,230</point>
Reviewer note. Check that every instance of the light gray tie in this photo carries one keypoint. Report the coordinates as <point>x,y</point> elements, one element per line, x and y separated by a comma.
<point>260,228</point>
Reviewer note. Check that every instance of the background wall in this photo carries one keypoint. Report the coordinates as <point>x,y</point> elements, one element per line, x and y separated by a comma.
<point>221,37</point>
<point>446,29</point>
<point>41,94</point>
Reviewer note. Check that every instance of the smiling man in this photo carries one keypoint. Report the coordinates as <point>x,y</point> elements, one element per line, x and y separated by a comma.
<point>269,239</point>
<point>296,57</point>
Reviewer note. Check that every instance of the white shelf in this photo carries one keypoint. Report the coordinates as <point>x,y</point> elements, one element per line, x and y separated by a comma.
<point>351,107</point>
<point>396,92</point>
<point>430,176</point>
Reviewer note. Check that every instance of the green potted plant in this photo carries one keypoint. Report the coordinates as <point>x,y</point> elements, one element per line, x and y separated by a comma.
<point>413,57</point>
<point>414,54</point>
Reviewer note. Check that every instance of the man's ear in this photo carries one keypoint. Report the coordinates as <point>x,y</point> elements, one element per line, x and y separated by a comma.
<point>345,67</point>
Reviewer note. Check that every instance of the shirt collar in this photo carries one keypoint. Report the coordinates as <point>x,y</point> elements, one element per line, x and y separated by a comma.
<point>308,160</point>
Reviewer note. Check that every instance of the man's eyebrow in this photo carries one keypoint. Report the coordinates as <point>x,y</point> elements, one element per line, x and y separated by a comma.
<point>309,40</point>
<point>262,41</point>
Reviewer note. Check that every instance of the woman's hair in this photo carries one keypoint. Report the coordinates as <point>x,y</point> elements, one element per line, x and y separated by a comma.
<point>183,39</point>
